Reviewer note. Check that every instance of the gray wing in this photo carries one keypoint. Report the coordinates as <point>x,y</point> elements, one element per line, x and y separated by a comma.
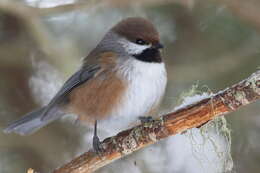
<point>81,76</point>
<point>43,116</point>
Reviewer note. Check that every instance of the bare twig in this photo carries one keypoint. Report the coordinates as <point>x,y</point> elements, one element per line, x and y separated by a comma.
<point>195,115</point>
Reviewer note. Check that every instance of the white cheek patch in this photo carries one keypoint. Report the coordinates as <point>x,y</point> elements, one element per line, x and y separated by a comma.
<point>132,48</point>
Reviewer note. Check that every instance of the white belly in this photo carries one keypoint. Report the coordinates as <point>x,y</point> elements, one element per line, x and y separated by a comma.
<point>146,86</point>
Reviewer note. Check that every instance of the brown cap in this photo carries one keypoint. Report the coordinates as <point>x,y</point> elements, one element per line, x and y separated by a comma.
<point>134,28</point>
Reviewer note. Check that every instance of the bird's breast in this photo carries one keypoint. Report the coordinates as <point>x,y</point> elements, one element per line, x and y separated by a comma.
<point>146,84</point>
<point>120,97</point>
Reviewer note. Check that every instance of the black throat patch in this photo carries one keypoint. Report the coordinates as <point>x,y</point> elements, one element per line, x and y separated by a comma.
<point>149,55</point>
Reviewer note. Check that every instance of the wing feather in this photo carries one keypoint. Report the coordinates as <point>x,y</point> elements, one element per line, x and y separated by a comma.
<point>81,76</point>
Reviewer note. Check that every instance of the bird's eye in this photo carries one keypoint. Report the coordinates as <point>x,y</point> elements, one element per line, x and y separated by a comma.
<point>140,41</point>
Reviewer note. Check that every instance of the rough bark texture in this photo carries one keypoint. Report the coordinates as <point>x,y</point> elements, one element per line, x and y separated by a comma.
<point>195,115</point>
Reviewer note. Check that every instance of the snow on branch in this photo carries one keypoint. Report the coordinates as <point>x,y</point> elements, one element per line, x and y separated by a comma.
<point>190,116</point>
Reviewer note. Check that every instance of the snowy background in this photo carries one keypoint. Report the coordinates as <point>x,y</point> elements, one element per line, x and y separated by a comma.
<point>209,46</point>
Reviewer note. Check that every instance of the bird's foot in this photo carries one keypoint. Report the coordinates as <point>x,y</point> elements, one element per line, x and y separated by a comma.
<point>97,145</point>
<point>145,119</point>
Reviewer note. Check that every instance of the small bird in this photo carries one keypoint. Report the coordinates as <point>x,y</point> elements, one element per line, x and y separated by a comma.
<point>123,76</point>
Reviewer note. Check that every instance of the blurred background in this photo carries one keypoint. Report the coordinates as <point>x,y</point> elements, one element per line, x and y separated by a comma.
<point>212,44</point>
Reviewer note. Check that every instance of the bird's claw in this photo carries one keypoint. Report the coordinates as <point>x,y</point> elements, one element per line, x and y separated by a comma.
<point>145,119</point>
<point>97,145</point>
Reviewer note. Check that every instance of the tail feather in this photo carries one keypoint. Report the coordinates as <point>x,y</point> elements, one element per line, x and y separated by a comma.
<point>29,123</point>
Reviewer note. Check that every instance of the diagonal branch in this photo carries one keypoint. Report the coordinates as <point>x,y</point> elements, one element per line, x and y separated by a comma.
<point>195,115</point>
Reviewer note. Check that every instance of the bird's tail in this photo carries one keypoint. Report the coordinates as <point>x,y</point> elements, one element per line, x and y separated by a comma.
<point>29,123</point>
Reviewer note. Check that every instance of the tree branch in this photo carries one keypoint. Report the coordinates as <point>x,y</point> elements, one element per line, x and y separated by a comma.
<point>195,115</point>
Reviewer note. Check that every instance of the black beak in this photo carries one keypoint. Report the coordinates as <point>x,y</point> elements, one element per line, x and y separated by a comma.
<point>158,46</point>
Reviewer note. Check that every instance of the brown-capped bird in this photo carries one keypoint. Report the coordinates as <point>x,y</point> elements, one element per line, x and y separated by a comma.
<point>124,77</point>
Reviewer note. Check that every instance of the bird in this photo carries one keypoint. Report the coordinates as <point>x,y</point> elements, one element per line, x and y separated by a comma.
<point>123,77</point>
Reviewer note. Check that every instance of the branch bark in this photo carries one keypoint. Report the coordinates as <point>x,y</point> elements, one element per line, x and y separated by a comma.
<point>195,115</point>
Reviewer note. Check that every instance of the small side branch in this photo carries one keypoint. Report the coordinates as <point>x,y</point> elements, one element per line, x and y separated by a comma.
<point>195,115</point>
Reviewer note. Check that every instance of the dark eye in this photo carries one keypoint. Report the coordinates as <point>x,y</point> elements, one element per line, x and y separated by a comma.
<point>140,41</point>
